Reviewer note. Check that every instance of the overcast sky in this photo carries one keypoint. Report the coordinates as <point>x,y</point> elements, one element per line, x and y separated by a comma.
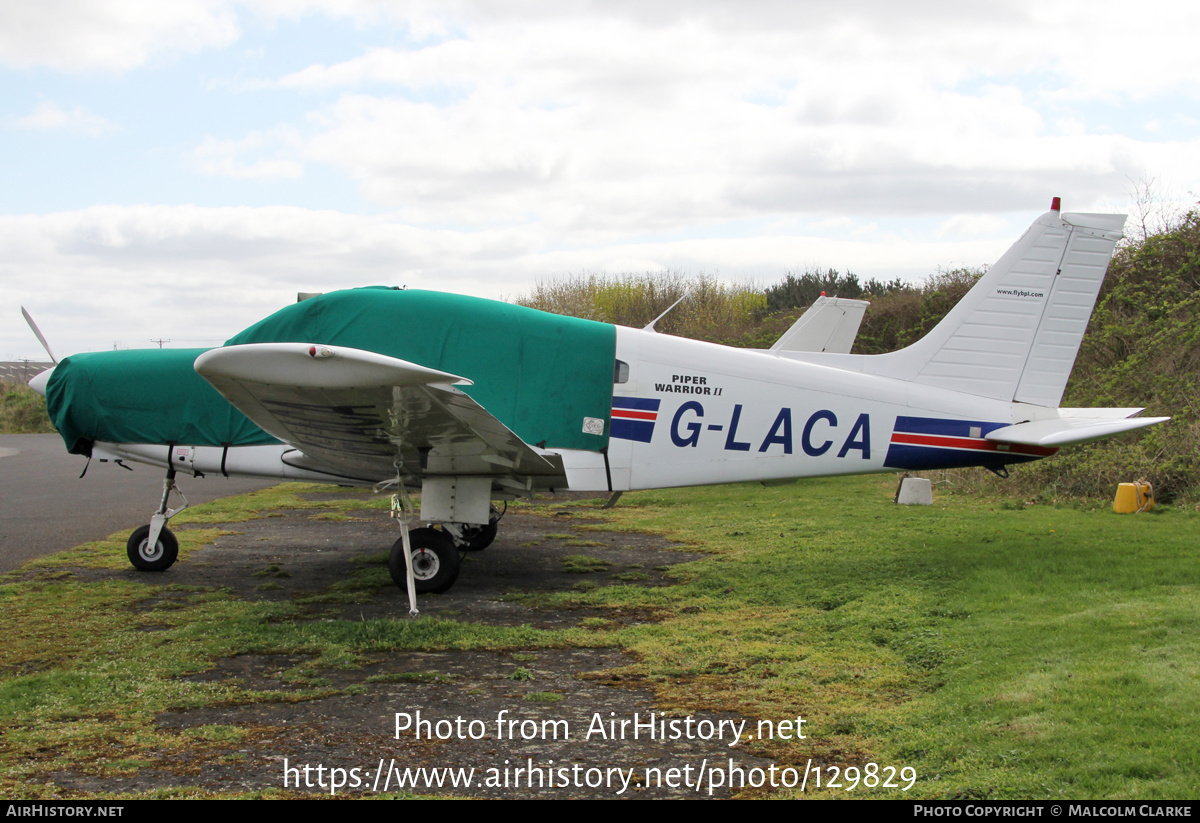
<point>179,170</point>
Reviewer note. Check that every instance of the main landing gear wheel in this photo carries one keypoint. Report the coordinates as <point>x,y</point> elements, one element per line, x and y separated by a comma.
<point>435,561</point>
<point>156,558</point>
<point>478,538</point>
<point>471,538</point>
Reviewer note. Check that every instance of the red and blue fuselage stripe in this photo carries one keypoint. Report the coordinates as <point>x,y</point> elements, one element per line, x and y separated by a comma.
<point>938,443</point>
<point>633,418</point>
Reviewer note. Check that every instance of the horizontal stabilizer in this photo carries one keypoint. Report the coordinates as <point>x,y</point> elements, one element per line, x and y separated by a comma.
<point>1067,431</point>
<point>829,325</point>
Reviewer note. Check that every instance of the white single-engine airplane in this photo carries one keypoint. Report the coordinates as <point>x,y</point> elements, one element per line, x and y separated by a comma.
<point>473,401</point>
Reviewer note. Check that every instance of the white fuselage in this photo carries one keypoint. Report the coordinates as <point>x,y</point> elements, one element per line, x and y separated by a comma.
<point>727,415</point>
<point>690,413</point>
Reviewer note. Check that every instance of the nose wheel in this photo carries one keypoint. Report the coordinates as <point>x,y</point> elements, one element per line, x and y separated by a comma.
<point>156,558</point>
<point>153,547</point>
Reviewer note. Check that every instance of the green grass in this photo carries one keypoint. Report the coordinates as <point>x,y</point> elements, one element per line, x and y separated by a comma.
<point>22,410</point>
<point>582,564</point>
<point>286,496</point>
<point>88,664</point>
<point>999,649</point>
<point>543,697</point>
<point>410,677</point>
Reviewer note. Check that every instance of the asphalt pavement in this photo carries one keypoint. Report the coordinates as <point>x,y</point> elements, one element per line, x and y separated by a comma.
<point>46,507</point>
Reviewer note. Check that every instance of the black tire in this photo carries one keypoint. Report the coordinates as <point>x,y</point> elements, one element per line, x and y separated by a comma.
<point>478,538</point>
<point>160,558</point>
<point>435,561</point>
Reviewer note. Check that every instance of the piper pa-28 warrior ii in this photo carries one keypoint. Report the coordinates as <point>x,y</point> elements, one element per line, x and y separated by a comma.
<point>472,401</point>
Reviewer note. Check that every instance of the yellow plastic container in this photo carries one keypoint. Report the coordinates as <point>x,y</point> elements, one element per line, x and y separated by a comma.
<point>1133,497</point>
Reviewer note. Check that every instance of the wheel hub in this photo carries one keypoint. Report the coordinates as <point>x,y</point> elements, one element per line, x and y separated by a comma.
<point>425,564</point>
<point>148,554</point>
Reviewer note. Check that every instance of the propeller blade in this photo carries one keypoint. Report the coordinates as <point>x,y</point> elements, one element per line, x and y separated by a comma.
<point>38,334</point>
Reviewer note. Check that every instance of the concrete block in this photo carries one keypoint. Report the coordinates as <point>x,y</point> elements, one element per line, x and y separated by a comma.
<point>915,491</point>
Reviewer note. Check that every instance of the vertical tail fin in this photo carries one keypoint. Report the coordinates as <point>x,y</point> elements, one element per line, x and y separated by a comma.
<point>1015,335</point>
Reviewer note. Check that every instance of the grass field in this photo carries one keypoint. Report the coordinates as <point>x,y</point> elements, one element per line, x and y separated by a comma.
<point>999,649</point>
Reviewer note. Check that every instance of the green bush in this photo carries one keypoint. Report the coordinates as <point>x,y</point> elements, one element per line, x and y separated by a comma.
<point>713,311</point>
<point>22,410</point>
<point>1142,348</point>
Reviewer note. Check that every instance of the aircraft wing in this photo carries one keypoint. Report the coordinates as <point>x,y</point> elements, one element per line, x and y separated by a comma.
<point>354,413</point>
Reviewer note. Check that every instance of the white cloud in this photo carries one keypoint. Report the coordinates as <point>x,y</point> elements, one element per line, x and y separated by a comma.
<point>604,119</point>
<point>1088,49</point>
<point>48,116</point>
<point>227,158</point>
<point>512,141</point>
<point>110,35</point>
<point>1094,48</point>
<point>135,273</point>
<point>973,225</point>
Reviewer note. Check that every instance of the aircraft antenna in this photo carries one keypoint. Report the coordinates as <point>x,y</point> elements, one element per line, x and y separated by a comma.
<point>650,326</point>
